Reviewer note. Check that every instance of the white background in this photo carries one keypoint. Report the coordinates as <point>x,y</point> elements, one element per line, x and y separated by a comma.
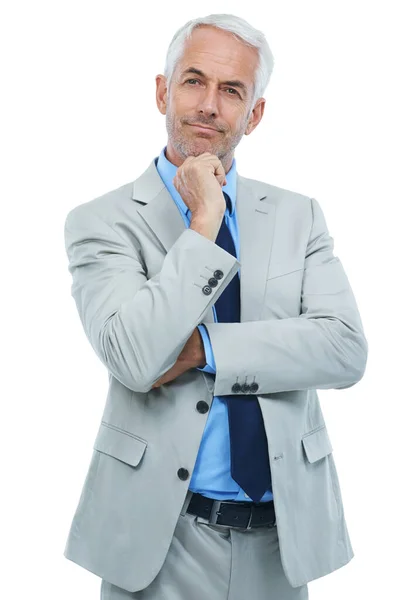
<point>79,118</point>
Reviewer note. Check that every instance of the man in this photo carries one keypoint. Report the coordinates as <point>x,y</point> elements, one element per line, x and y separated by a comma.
<point>218,308</point>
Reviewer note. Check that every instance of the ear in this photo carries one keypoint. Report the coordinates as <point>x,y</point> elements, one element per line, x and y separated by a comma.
<point>161,93</point>
<point>256,115</point>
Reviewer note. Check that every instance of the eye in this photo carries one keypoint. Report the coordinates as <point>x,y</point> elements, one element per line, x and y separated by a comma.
<point>232,89</point>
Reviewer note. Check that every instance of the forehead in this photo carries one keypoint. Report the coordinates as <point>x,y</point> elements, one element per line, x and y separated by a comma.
<point>219,55</point>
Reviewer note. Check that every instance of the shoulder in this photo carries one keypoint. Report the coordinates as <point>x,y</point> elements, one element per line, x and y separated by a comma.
<point>105,206</point>
<point>275,193</point>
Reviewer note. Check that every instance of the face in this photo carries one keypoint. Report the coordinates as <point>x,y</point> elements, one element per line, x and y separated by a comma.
<point>212,85</point>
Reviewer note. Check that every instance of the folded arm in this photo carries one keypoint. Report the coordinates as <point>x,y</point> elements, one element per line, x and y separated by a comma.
<point>325,347</point>
<point>138,326</point>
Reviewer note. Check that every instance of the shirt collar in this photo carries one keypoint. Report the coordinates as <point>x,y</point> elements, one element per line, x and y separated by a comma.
<point>167,172</point>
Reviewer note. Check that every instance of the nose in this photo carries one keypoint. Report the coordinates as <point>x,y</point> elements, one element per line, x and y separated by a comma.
<point>208,102</point>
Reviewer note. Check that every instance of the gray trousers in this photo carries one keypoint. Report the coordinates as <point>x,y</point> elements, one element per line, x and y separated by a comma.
<point>216,562</point>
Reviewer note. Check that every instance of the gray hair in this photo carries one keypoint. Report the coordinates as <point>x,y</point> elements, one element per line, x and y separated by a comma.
<point>237,26</point>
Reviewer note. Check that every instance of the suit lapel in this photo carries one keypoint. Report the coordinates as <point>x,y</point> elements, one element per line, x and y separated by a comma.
<point>255,220</point>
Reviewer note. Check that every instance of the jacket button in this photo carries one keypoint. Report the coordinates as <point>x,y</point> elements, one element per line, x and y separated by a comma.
<point>212,281</point>
<point>183,474</point>
<point>218,274</point>
<point>254,387</point>
<point>236,388</point>
<point>245,388</point>
<point>207,290</point>
<point>202,406</point>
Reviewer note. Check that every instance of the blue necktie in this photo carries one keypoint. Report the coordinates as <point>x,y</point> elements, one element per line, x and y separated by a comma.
<point>250,466</point>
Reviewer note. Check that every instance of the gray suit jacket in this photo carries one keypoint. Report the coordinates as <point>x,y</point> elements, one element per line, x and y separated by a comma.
<point>138,277</point>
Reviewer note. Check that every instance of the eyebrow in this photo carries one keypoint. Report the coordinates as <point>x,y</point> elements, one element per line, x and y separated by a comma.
<point>235,83</point>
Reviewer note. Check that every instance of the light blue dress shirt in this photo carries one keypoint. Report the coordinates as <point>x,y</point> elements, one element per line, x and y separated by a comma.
<point>212,472</point>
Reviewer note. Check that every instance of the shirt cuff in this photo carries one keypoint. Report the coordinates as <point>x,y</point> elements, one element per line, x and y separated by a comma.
<point>210,366</point>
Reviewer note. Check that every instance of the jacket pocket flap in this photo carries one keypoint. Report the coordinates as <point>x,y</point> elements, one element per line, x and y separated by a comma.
<point>120,444</point>
<point>317,444</point>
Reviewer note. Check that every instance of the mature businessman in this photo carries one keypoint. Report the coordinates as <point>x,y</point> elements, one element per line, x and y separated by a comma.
<point>218,307</point>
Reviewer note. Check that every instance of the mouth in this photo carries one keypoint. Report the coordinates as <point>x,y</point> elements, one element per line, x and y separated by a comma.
<point>203,128</point>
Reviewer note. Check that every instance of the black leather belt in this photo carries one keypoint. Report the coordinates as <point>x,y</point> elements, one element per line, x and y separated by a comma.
<point>246,515</point>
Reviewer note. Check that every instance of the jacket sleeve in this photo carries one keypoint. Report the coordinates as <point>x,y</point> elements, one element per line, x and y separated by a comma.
<point>325,347</point>
<point>138,326</point>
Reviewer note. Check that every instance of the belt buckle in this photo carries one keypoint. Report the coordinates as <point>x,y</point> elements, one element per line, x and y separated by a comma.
<point>214,512</point>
